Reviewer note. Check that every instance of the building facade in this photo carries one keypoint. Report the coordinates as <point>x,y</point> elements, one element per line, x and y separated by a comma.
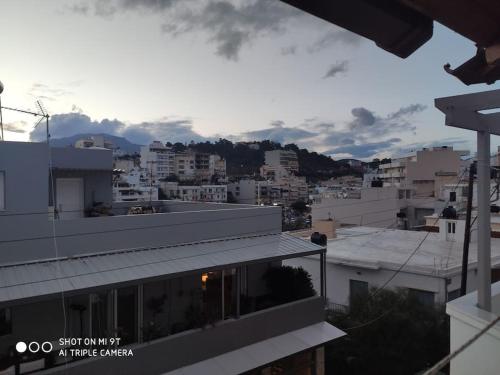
<point>145,294</point>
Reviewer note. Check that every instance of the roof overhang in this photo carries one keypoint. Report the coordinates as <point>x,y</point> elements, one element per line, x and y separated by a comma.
<point>392,25</point>
<point>264,352</point>
<point>402,26</point>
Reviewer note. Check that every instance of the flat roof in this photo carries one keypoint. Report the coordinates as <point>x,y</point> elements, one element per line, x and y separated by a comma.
<point>264,352</point>
<point>46,278</point>
<point>376,248</point>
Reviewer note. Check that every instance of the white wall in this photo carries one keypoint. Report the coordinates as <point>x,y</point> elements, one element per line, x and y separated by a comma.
<point>338,276</point>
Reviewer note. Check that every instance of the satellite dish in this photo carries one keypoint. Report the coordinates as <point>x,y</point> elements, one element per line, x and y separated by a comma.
<point>1,87</point>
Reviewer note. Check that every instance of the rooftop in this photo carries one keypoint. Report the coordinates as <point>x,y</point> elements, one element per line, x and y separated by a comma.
<point>44,278</point>
<point>376,248</point>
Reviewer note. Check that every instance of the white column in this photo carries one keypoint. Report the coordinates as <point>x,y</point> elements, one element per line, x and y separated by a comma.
<point>484,221</point>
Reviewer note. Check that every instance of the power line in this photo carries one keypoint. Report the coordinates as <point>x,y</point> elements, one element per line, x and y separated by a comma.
<point>400,268</point>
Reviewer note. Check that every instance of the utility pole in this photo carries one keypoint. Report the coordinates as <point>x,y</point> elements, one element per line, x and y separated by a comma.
<point>465,256</point>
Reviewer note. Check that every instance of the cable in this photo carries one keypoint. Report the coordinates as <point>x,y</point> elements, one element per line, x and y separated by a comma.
<point>434,370</point>
<point>400,268</point>
<point>54,238</point>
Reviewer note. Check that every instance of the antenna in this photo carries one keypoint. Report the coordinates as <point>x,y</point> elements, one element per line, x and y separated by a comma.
<point>45,115</point>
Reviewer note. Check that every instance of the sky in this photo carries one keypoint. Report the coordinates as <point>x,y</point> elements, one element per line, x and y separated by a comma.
<point>182,70</point>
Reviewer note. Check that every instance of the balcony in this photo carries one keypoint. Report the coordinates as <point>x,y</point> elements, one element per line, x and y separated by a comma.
<point>466,320</point>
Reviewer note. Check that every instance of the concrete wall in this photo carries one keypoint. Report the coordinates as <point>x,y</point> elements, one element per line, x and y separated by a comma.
<point>466,320</point>
<point>26,177</point>
<point>96,185</point>
<point>29,237</point>
<point>77,158</point>
<point>189,347</point>
<point>338,276</point>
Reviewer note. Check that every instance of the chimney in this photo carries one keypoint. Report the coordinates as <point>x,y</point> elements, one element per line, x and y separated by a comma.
<point>328,227</point>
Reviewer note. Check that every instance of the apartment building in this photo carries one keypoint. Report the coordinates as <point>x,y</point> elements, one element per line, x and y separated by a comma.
<point>185,167</point>
<point>132,187</point>
<point>285,191</point>
<point>190,193</point>
<point>285,159</point>
<point>425,171</point>
<point>183,291</point>
<point>158,160</point>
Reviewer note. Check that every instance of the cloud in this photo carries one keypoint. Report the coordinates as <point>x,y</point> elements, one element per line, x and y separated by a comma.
<point>365,150</point>
<point>290,50</point>
<point>15,127</point>
<point>51,93</point>
<point>364,136</point>
<point>229,24</point>
<point>278,133</point>
<point>338,67</point>
<point>68,124</point>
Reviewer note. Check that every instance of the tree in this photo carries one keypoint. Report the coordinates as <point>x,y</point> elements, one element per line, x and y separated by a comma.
<point>287,284</point>
<point>300,206</point>
<point>402,336</point>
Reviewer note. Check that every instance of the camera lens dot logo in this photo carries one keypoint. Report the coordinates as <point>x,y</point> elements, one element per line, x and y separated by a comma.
<point>34,347</point>
<point>21,347</point>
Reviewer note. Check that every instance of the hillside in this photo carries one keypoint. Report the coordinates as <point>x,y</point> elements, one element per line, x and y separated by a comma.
<point>242,158</point>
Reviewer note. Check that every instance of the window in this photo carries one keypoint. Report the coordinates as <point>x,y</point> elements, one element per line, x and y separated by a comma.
<point>5,322</point>
<point>424,297</point>
<point>357,289</point>
<point>2,190</point>
<point>453,196</point>
<point>451,227</point>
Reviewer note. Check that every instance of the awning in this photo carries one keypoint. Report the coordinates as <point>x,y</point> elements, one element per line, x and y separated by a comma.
<point>30,280</point>
<point>264,352</point>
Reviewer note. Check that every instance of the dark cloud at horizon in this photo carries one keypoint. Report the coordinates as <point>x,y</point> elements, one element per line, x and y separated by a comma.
<point>68,124</point>
<point>365,135</point>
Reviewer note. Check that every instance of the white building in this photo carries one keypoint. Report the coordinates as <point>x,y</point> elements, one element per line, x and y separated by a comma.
<point>286,159</point>
<point>185,169</point>
<point>192,193</point>
<point>158,160</point>
<point>132,187</point>
<point>360,258</point>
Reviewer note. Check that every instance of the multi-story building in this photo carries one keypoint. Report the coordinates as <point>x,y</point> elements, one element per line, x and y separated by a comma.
<point>186,291</point>
<point>185,166</point>
<point>191,193</point>
<point>217,167</point>
<point>285,159</point>
<point>158,160</point>
<point>133,187</point>
<point>425,171</point>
